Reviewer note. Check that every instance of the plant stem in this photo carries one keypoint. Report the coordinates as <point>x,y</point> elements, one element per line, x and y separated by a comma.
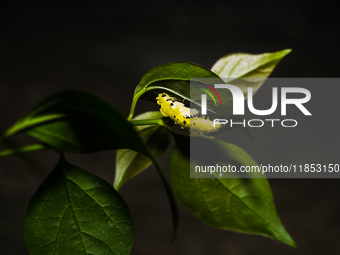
<point>172,201</point>
<point>170,195</point>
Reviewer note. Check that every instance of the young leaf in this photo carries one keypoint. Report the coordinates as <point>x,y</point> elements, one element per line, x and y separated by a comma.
<point>75,212</point>
<point>244,205</point>
<point>130,163</point>
<point>79,122</point>
<point>173,78</point>
<point>254,68</point>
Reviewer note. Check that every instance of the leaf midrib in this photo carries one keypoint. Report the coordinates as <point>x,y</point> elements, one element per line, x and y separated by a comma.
<point>233,194</point>
<point>251,209</point>
<point>100,207</point>
<point>71,207</point>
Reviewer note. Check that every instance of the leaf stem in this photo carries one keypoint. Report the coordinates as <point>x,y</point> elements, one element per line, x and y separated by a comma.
<point>158,122</point>
<point>137,96</point>
<point>133,104</point>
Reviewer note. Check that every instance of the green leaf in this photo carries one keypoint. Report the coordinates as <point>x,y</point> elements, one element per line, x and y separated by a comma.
<point>173,78</point>
<point>243,205</point>
<point>75,212</point>
<point>25,149</point>
<point>253,69</point>
<point>79,122</point>
<point>130,163</point>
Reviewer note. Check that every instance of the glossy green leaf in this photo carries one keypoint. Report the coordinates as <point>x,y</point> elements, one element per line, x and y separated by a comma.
<point>79,122</point>
<point>173,78</point>
<point>130,163</point>
<point>253,69</point>
<point>243,205</point>
<point>75,212</point>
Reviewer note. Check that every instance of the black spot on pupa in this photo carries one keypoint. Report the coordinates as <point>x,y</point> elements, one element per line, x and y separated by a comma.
<point>175,117</point>
<point>171,104</point>
<point>194,123</point>
<point>184,122</point>
<point>163,95</point>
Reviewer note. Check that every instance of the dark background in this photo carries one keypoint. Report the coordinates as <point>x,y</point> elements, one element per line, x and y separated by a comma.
<point>103,47</point>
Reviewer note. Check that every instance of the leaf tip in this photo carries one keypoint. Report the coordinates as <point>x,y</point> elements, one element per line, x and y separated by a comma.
<point>294,245</point>
<point>116,186</point>
<point>286,238</point>
<point>291,243</point>
<point>285,52</point>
